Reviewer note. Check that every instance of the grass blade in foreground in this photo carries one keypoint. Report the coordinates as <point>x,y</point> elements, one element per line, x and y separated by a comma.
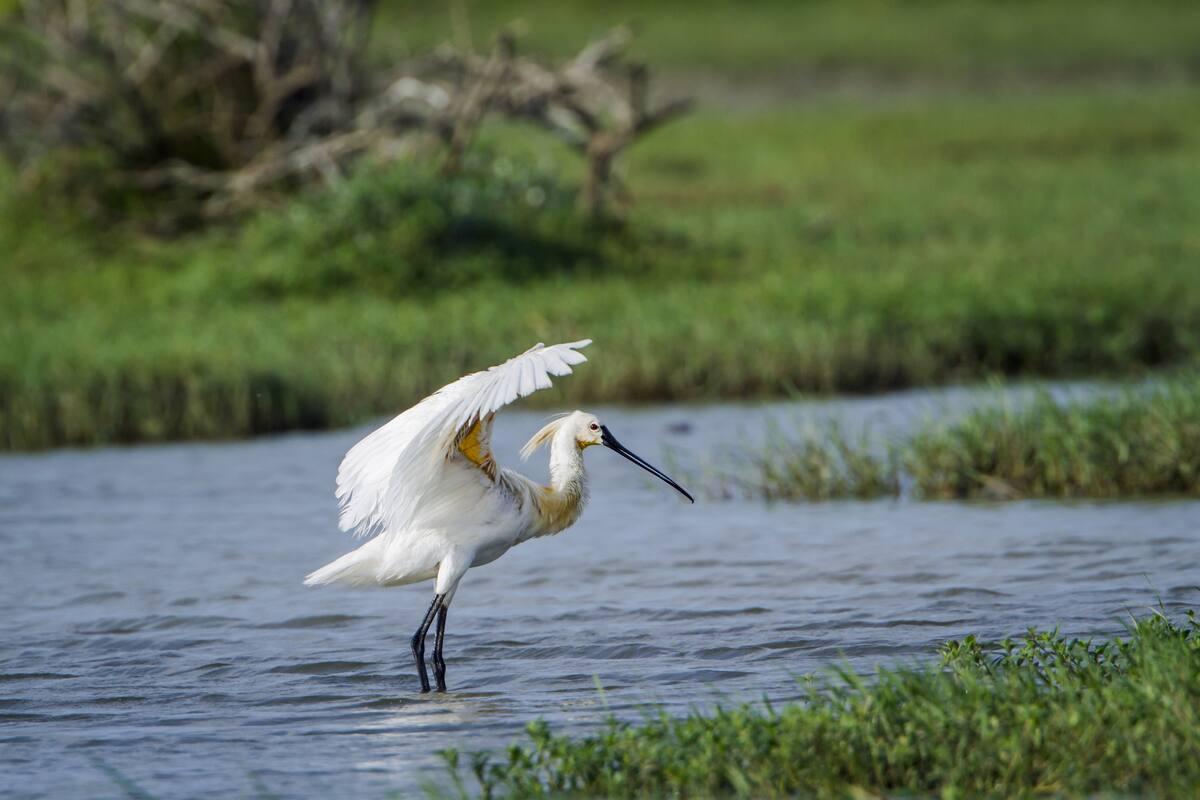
<point>1046,716</point>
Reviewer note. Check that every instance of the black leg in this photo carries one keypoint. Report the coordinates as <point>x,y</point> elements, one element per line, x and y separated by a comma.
<point>418,641</point>
<point>439,663</point>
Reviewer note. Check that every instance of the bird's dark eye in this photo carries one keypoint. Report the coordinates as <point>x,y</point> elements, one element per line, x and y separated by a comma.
<point>594,426</point>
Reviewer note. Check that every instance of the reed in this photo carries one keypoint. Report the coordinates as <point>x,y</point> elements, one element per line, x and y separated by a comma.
<point>1143,441</point>
<point>1137,443</point>
<point>816,465</point>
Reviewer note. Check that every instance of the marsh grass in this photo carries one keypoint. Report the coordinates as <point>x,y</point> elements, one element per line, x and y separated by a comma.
<point>1139,442</point>
<point>1043,715</point>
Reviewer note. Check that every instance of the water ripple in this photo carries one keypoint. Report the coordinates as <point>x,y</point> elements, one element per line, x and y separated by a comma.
<point>320,667</point>
<point>316,621</point>
<point>154,622</point>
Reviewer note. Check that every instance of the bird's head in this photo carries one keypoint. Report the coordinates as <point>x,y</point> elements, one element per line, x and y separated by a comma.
<point>589,430</point>
<point>586,430</point>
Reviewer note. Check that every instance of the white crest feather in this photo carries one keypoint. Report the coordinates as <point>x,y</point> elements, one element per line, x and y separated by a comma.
<point>543,436</point>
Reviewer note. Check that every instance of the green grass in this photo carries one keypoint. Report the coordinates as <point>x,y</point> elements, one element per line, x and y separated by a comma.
<point>890,40</point>
<point>1139,443</point>
<point>1044,716</point>
<point>832,248</point>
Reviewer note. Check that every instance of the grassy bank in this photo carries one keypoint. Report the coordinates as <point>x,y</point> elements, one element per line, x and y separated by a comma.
<point>1045,715</point>
<point>833,249</point>
<point>1136,444</point>
<point>835,246</point>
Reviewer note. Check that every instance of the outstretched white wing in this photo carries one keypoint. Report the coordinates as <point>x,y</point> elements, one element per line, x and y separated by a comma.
<point>387,476</point>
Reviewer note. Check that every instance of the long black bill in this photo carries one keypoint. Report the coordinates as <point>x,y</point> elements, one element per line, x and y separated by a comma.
<point>610,441</point>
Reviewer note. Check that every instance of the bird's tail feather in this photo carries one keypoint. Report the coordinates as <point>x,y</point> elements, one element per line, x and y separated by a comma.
<point>351,569</point>
<point>369,566</point>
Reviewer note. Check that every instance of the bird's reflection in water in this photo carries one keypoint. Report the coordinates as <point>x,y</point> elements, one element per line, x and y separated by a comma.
<point>410,713</point>
<point>414,730</point>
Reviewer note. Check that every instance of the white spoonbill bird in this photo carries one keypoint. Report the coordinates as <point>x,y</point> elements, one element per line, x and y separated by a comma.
<point>426,486</point>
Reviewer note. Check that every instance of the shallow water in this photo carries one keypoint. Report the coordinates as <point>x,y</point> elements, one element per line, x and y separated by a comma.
<point>155,629</point>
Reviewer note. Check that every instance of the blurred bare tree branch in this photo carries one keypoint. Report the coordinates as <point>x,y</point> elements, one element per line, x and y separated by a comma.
<point>212,105</point>
<point>596,102</point>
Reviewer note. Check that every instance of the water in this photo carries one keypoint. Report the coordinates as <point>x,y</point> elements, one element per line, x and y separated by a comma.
<point>155,629</point>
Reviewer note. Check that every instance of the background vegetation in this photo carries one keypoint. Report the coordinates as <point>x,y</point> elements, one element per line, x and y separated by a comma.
<point>868,198</point>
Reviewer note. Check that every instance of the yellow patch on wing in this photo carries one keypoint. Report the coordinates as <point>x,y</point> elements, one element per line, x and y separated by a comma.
<point>474,444</point>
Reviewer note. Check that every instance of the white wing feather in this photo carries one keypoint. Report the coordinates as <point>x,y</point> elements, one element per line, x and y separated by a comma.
<point>384,479</point>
